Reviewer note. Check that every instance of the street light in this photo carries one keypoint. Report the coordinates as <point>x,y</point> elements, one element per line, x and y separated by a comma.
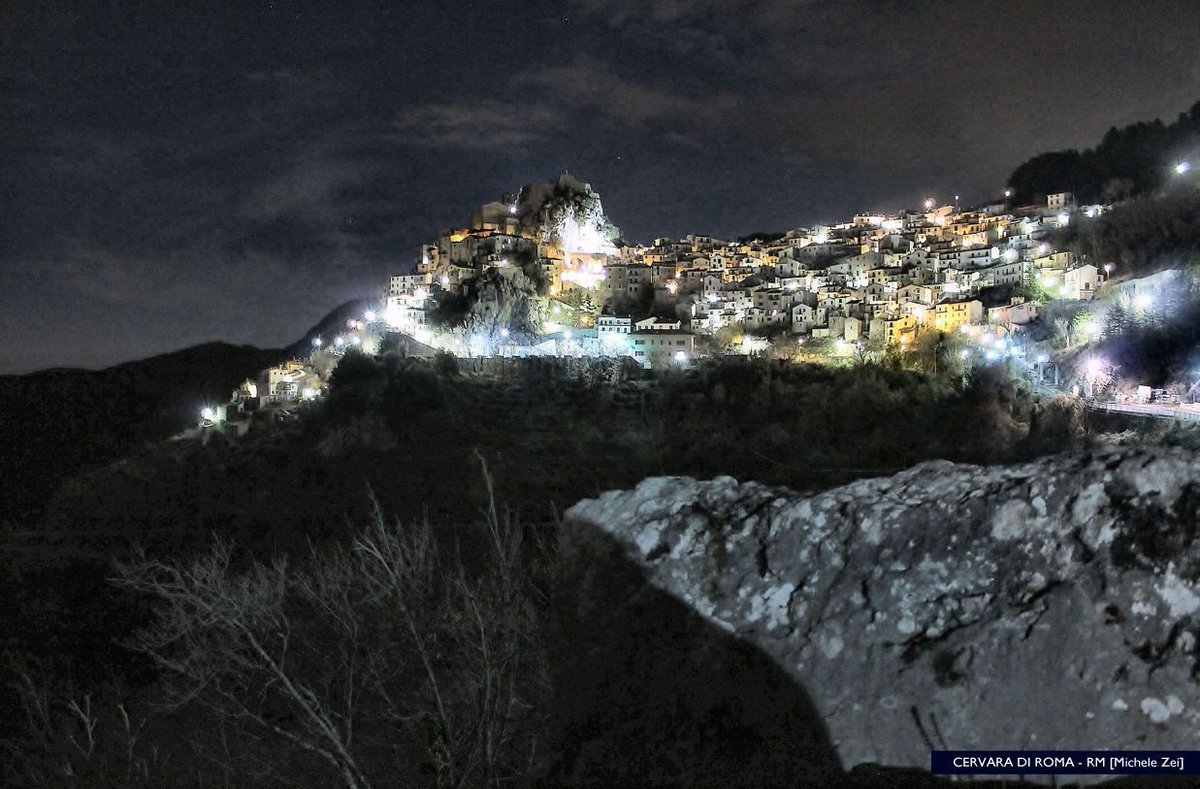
<point>1182,168</point>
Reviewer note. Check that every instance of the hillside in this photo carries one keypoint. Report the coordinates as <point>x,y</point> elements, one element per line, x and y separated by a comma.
<point>286,500</point>
<point>1129,161</point>
<point>57,422</point>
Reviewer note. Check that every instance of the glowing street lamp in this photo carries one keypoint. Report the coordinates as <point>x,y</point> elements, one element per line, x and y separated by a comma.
<point>316,342</point>
<point>370,316</point>
<point>1182,168</point>
<point>207,414</point>
<point>929,204</point>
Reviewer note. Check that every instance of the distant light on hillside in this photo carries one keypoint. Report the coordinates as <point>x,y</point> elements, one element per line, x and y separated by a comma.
<point>1182,168</point>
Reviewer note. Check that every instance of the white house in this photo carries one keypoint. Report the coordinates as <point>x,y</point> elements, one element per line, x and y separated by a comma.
<point>1081,282</point>
<point>657,348</point>
<point>1059,200</point>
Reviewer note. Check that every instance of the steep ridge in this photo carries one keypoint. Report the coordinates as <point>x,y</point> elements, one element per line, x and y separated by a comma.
<point>1046,605</point>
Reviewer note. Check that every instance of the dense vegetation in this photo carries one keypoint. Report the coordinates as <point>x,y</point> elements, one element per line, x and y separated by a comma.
<point>1140,236</point>
<point>1133,160</point>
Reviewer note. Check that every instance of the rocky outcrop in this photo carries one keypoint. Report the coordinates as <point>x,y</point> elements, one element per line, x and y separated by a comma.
<point>1048,605</point>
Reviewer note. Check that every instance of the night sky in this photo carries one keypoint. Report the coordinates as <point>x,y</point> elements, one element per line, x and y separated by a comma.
<point>174,176</point>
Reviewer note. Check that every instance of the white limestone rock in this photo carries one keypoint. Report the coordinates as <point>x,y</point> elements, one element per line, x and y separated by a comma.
<point>1048,605</point>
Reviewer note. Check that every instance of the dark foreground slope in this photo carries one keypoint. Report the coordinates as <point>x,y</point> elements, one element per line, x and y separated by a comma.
<point>617,678</point>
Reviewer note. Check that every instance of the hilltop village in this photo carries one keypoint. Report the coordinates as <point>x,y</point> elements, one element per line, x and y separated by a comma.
<point>875,279</point>
<point>545,273</point>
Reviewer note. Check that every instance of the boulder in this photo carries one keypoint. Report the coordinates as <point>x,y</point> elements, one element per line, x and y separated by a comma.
<point>1051,605</point>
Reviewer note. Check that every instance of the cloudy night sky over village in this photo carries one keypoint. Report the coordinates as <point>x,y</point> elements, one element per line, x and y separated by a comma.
<point>175,174</point>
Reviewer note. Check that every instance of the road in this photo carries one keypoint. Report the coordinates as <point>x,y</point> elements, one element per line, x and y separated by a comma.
<point>1189,412</point>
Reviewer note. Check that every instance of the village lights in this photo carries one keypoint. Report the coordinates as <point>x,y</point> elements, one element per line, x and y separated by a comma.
<point>680,357</point>
<point>512,209</point>
<point>929,204</point>
<point>1008,193</point>
<point>1182,168</point>
<point>207,414</point>
<point>316,342</point>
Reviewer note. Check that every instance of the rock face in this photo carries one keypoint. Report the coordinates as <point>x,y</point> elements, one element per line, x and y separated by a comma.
<point>1048,605</point>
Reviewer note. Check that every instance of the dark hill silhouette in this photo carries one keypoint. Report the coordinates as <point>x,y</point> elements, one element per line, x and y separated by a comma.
<point>59,421</point>
<point>331,325</point>
<point>1133,160</point>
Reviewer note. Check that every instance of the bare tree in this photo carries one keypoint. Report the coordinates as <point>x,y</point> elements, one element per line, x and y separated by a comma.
<point>366,658</point>
<point>73,737</point>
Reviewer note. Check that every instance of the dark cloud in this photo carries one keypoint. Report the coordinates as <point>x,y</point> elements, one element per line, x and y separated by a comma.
<point>480,124</point>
